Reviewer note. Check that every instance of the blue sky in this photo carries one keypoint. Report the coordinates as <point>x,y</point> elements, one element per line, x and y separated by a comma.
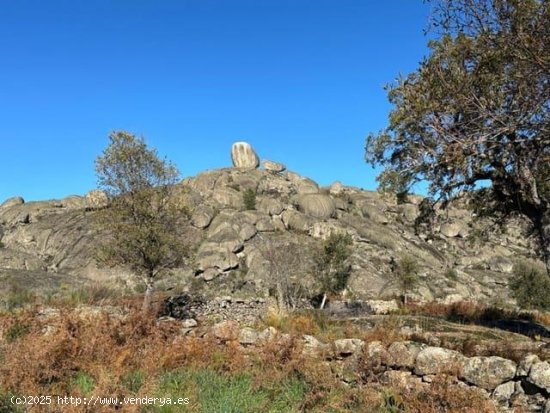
<point>301,80</point>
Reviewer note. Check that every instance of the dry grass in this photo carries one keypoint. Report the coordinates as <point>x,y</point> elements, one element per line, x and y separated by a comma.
<point>137,356</point>
<point>474,313</point>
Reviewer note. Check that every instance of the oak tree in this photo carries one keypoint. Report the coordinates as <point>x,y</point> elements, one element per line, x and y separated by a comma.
<point>476,110</point>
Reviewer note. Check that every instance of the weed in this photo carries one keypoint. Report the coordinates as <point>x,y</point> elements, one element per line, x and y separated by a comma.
<point>17,331</point>
<point>391,403</point>
<point>133,380</point>
<point>83,383</point>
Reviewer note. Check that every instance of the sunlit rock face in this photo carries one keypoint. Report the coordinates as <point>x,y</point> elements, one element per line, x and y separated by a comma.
<point>244,156</point>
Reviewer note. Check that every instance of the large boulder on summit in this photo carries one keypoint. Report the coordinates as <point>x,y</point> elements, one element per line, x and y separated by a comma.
<point>316,205</point>
<point>244,156</point>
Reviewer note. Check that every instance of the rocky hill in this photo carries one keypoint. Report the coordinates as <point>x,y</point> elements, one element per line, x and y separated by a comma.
<point>50,244</point>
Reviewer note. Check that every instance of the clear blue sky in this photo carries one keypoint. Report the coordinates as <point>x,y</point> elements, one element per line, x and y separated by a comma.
<point>301,80</point>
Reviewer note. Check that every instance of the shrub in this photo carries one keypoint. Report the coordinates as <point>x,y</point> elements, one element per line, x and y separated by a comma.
<point>16,331</point>
<point>332,264</point>
<point>18,297</point>
<point>6,406</point>
<point>406,275</point>
<point>530,286</point>
<point>451,274</point>
<point>249,199</point>
<point>391,403</point>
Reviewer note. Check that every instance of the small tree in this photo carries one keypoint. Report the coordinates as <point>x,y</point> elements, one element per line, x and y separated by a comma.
<point>332,264</point>
<point>141,220</point>
<point>285,262</point>
<point>406,275</point>
<point>249,199</point>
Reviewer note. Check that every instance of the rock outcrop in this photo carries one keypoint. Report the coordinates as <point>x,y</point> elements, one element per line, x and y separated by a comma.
<point>244,156</point>
<point>58,237</point>
<point>274,167</point>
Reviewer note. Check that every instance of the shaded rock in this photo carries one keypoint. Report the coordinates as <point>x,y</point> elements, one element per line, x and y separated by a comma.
<point>403,380</point>
<point>488,372</point>
<point>182,307</point>
<point>539,375</point>
<point>437,360</point>
<point>224,232</point>
<point>316,205</point>
<point>409,212</point>
<point>270,206</point>
<point>314,348</point>
<point>10,202</point>
<point>403,354</point>
<point>453,230</point>
<point>526,363</point>
<point>227,197</point>
<point>348,346</point>
<point>341,204</point>
<point>212,255</point>
<point>376,355</point>
<point>265,225</point>
<point>202,217</point>
<point>504,392</point>
<point>211,274</point>
<point>303,185</point>
<point>247,232</point>
<point>275,167</point>
<point>294,220</point>
<point>244,156</point>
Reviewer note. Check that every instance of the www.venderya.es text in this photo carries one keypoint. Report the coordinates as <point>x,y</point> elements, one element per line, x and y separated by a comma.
<point>98,401</point>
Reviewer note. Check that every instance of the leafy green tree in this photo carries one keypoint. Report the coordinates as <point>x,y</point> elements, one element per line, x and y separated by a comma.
<point>477,109</point>
<point>142,220</point>
<point>332,268</point>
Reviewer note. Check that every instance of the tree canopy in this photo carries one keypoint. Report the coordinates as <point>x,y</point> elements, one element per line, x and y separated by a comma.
<point>476,109</point>
<point>142,219</point>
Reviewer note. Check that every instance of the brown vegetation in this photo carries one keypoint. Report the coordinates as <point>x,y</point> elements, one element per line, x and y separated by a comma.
<point>107,355</point>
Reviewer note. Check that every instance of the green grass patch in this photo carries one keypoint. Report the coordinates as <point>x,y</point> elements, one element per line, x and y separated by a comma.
<point>83,383</point>
<point>213,392</point>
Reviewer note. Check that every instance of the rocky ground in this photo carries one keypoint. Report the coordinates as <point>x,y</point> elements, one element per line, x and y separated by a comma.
<point>51,243</point>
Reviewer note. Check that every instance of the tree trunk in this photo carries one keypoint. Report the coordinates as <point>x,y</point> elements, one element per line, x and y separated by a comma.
<point>281,299</point>
<point>545,239</point>
<point>148,298</point>
<point>324,301</point>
